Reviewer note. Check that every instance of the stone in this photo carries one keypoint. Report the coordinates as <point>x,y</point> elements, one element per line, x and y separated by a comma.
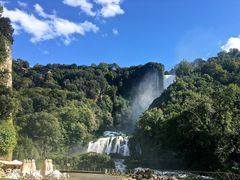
<point>6,67</point>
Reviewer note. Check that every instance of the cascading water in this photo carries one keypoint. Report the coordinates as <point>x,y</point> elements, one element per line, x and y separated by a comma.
<point>111,143</point>
<point>168,80</point>
<point>119,165</point>
<point>149,89</point>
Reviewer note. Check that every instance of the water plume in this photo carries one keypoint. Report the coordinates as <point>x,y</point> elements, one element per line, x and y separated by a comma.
<point>149,88</point>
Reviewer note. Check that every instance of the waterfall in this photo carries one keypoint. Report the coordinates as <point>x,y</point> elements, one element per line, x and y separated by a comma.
<point>111,143</point>
<point>149,88</point>
<point>168,80</point>
<point>119,165</point>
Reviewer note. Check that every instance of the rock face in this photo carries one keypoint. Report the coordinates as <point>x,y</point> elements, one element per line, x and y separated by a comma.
<point>6,80</point>
<point>6,68</point>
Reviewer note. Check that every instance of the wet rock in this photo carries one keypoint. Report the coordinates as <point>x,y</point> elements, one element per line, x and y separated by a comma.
<point>163,178</point>
<point>174,178</point>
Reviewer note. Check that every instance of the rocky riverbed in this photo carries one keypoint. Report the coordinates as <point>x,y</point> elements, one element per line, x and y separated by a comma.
<point>146,173</point>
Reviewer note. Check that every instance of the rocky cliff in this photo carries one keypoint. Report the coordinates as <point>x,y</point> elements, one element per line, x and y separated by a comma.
<point>6,67</point>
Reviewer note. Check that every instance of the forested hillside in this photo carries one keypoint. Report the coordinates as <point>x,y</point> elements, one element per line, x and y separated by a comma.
<point>7,130</point>
<point>61,107</point>
<point>54,110</point>
<point>195,123</point>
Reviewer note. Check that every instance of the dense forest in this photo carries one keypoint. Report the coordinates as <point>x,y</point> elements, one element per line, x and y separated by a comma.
<point>61,107</point>
<point>53,110</point>
<point>195,123</point>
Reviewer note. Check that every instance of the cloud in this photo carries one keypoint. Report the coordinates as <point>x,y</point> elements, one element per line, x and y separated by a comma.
<point>110,8</point>
<point>22,4</point>
<point>47,26</point>
<point>39,10</point>
<point>232,43</point>
<point>115,31</point>
<point>84,5</point>
<point>39,29</point>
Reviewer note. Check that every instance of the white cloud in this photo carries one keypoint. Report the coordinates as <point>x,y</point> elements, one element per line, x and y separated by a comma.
<point>39,29</point>
<point>39,10</point>
<point>22,4</point>
<point>84,5</point>
<point>115,31</point>
<point>110,8</point>
<point>232,43</point>
<point>48,26</point>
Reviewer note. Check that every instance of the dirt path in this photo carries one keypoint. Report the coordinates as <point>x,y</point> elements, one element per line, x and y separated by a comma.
<point>86,176</point>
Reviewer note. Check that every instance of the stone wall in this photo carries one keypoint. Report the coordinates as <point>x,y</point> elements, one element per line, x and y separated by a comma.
<point>6,68</point>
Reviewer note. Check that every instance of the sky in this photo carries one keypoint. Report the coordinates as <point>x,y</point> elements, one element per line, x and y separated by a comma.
<point>126,32</point>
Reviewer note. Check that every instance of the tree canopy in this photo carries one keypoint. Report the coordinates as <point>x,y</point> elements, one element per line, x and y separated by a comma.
<point>197,119</point>
<point>81,101</point>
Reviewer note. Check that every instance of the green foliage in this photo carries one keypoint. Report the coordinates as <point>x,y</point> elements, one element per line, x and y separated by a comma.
<point>6,29</point>
<point>79,101</point>
<point>196,120</point>
<point>6,32</point>
<point>44,130</point>
<point>95,161</point>
<point>78,123</point>
<point>3,50</point>
<point>7,136</point>
<point>183,69</point>
<point>194,124</point>
<point>26,148</point>
<point>7,104</point>
<point>89,161</point>
<point>7,130</point>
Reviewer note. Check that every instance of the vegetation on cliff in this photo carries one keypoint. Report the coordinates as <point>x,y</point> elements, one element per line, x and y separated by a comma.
<point>195,123</point>
<point>6,38</point>
<point>7,130</point>
<point>88,161</point>
<point>61,107</point>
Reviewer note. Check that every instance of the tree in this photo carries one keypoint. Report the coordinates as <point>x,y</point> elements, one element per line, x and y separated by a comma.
<point>196,120</point>
<point>7,137</point>
<point>184,68</point>
<point>7,131</point>
<point>6,29</point>
<point>75,130</point>
<point>45,131</point>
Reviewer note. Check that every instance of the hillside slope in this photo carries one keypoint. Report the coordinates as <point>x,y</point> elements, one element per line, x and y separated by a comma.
<point>195,123</point>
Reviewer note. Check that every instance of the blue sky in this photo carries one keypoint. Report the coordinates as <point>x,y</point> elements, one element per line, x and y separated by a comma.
<point>126,32</point>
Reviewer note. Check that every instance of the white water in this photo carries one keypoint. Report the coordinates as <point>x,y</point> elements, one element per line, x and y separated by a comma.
<point>112,143</point>
<point>119,165</point>
<point>168,80</point>
<point>148,89</point>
